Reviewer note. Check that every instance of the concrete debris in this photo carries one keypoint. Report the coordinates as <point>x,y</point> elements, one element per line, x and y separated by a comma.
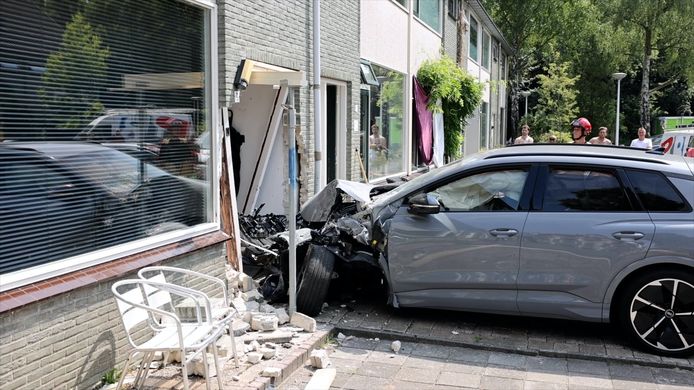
<point>377,339</point>
<point>252,295</point>
<point>254,357</point>
<point>322,379</point>
<point>343,306</point>
<point>265,308</point>
<point>197,366</point>
<point>255,346</point>
<point>282,315</point>
<point>287,345</point>
<point>319,358</point>
<point>264,322</point>
<point>272,372</point>
<point>395,346</point>
<point>235,378</point>
<point>252,306</point>
<point>455,332</point>
<point>341,336</point>
<point>240,327</point>
<point>277,336</point>
<point>268,353</point>
<point>239,304</point>
<point>247,283</point>
<point>303,321</point>
<point>270,345</point>
<point>248,315</point>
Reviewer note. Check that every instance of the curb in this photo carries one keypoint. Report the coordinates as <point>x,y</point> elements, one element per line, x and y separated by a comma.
<point>382,334</point>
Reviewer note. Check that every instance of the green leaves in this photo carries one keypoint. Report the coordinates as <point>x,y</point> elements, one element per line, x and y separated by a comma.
<point>460,95</point>
<point>557,99</point>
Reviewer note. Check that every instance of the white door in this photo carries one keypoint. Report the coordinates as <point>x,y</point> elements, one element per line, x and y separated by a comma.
<point>333,164</point>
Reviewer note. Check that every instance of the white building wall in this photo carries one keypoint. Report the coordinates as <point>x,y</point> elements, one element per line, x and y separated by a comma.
<point>383,37</point>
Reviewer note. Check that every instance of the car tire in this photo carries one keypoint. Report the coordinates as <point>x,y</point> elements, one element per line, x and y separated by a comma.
<point>314,280</point>
<point>656,311</point>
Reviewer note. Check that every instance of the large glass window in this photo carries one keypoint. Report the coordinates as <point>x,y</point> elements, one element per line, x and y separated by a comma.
<point>485,49</point>
<point>571,189</point>
<point>473,39</point>
<point>484,124</point>
<point>429,11</point>
<point>655,192</point>
<point>487,191</point>
<point>386,125</point>
<point>106,104</point>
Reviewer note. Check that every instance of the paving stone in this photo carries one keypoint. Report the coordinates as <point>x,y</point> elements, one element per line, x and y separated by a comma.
<point>340,380</point>
<point>550,377</point>
<point>673,376</point>
<point>459,379</point>
<point>546,364</point>
<point>630,371</point>
<point>350,354</point>
<point>378,370</point>
<point>386,358</point>
<point>592,350</point>
<point>420,328</point>
<point>507,359</point>
<point>465,368</point>
<point>588,366</point>
<point>421,375</point>
<point>361,382</point>
<point>397,324</point>
<point>423,362</point>
<point>432,350</point>
<point>346,366</point>
<point>533,385</point>
<point>625,384</point>
<point>358,342</point>
<point>566,348</point>
<point>469,355</point>
<point>587,380</point>
<point>505,372</point>
<point>494,383</point>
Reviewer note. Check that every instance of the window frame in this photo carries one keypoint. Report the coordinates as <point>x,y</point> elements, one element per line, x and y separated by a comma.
<point>56,268</point>
<point>454,7</point>
<point>439,16</point>
<point>485,60</point>
<point>477,40</point>
<point>672,186</point>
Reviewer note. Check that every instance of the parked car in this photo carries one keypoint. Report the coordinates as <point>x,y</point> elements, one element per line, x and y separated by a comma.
<point>677,142</point>
<point>63,199</point>
<point>585,232</point>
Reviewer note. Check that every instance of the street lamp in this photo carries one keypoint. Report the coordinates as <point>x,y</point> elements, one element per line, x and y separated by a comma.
<point>526,94</point>
<point>617,76</point>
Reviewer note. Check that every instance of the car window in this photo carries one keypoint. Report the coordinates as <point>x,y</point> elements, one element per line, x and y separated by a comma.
<point>29,178</point>
<point>655,192</point>
<point>570,189</point>
<point>486,191</point>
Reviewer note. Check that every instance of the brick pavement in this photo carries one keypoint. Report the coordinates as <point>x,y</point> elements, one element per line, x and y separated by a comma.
<point>363,363</point>
<point>529,336</point>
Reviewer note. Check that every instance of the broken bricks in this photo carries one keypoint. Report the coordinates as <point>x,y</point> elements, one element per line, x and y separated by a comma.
<point>319,358</point>
<point>303,321</point>
<point>264,322</point>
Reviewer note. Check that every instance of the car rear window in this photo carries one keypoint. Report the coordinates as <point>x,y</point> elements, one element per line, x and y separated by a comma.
<point>655,192</point>
<point>572,189</point>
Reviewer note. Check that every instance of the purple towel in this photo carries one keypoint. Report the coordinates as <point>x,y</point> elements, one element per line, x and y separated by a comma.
<point>423,124</point>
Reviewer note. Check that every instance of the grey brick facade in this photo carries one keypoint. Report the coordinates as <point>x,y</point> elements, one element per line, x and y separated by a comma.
<point>70,340</point>
<point>281,33</point>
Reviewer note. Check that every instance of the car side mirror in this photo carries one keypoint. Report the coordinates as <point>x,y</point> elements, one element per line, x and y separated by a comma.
<point>423,204</point>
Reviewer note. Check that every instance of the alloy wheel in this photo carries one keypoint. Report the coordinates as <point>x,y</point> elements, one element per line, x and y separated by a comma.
<point>662,314</point>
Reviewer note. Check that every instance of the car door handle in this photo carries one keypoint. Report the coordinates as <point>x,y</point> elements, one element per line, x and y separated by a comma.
<point>503,232</point>
<point>628,235</point>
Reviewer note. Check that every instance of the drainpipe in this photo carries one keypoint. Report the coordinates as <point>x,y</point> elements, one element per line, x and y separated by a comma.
<point>293,195</point>
<point>316,97</point>
<point>407,152</point>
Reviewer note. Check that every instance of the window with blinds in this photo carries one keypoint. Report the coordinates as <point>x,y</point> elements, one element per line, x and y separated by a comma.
<point>104,123</point>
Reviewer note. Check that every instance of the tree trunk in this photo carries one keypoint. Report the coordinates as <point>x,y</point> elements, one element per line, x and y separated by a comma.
<point>514,85</point>
<point>461,49</point>
<point>645,112</point>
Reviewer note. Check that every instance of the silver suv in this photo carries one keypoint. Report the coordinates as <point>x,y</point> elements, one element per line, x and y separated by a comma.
<point>583,232</point>
<point>586,232</point>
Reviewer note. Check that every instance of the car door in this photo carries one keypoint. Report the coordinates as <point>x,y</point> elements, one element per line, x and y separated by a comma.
<point>584,226</point>
<point>466,256</point>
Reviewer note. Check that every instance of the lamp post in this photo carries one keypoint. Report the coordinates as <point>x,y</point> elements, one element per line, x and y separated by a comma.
<point>617,76</point>
<point>525,94</point>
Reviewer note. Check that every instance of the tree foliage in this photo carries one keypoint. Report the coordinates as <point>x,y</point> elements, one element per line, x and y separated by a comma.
<point>556,99</point>
<point>460,94</point>
<point>74,75</point>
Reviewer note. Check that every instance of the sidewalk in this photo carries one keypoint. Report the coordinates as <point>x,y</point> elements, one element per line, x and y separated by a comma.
<point>527,336</point>
<point>370,364</point>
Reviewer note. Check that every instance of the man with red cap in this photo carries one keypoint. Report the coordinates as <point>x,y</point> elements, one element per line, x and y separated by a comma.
<point>580,129</point>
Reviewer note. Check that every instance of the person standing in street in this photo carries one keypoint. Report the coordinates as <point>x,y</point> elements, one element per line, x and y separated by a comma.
<point>525,137</point>
<point>580,129</point>
<point>642,142</point>
<point>601,139</point>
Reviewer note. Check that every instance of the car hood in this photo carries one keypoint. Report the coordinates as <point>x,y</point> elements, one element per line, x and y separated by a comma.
<point>318,208</point>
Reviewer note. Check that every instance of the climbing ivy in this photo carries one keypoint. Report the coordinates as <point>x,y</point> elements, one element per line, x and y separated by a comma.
<point>460,95</point>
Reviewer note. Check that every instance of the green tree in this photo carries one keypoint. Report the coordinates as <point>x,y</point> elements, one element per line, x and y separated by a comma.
<point>75,75</point>
<point>556,101</point>
<point>460,95</point>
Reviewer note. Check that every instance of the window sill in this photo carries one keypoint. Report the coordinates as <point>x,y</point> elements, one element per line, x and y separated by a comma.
<point>35,292</point>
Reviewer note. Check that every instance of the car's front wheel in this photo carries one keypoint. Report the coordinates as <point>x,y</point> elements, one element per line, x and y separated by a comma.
<point>656,310</point>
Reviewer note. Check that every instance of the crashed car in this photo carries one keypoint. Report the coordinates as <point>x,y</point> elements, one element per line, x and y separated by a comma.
<point>585,232</point>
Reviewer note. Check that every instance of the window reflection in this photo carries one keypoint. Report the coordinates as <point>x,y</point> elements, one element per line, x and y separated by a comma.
<point>386,135</point>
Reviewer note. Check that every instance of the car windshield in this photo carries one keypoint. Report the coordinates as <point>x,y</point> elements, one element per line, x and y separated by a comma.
<point>117,172</point>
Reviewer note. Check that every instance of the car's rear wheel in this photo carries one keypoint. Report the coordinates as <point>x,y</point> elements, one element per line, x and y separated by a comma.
<point>656,310</point>
<point>314,280</point>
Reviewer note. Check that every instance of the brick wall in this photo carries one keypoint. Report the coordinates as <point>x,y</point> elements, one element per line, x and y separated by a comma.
<point>450,33</point>
<point>280,33</point>
<point>70,340</point>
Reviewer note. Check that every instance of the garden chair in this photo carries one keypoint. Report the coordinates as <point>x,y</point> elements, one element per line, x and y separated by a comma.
<point>152,328</point>
<point>221,313</point>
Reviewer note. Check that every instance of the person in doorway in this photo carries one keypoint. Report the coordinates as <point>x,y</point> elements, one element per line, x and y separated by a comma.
<point>580,129</point>
<point>525,137</point>
<point>378,150</point>
<point>642,142</point>
<point>601,139</point>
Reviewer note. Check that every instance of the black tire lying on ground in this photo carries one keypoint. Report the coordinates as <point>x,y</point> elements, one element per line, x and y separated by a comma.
<point>314,280</point>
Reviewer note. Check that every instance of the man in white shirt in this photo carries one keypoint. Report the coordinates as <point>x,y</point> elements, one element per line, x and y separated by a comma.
<point>525,138</point>
<point>642,142</point>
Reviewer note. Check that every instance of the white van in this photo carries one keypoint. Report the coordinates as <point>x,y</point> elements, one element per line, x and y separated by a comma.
<point>137,126</point>
<point>677,142</point>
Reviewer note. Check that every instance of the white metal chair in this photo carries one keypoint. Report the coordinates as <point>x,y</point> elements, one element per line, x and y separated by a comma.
<point>138,303</point>
<point>222,313</point>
